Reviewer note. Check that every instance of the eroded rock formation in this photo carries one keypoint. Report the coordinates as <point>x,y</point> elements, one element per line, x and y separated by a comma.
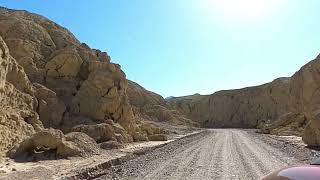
<point>286,106</point>
<point>305,98</point>
<point>52,142</point>
<point>51,80</point>
<point>17,116</point>
<point>151,106</point>
<point>237,108</point>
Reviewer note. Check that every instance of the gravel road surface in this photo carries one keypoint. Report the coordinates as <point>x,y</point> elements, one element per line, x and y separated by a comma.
<point>214,154</point>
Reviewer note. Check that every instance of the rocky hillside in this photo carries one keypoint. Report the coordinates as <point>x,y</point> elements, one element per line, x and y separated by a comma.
<point>54,87</point>
<point>237,108</point>
<point>286,106</point>
<point>153,107</point>
<point>16,108</point>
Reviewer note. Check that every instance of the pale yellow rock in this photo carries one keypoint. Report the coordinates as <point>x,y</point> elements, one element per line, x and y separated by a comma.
<point>76,84</point>
<point>99,132</point>
<point>104,132</point>
<point>158,137</point>
<point>65,64</point>
<point>151,106</point>
<point>50,107</point>
<point>17,117</point>
<point>237,108</point>
<point>311,134</point>
<point>286,125</point>
<point>54,141</point>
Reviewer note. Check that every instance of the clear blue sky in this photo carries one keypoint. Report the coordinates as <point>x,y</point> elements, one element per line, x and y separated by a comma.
<point>180,47</point>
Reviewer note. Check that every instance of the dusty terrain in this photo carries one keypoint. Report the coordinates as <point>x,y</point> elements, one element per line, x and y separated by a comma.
<point>206,154</point>
<point>79,167</point>
<point>214,154</point>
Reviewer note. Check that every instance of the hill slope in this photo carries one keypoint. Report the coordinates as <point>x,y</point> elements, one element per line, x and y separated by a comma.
<point>51,80</point>
<point>287,106</point>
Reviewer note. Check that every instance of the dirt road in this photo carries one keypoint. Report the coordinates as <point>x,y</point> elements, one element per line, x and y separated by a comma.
<point>216,154</point>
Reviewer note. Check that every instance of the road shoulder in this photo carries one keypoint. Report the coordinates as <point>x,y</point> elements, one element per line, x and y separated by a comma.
<point>80,168</point>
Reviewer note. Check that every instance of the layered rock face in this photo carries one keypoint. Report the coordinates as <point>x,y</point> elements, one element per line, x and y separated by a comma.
<point>237,108</point>
<point>286,106</point>
<point>19,120</point>
<point>51,80</point>
<point>73,80</point>
<point>305,98</point>
<point>17,116</point>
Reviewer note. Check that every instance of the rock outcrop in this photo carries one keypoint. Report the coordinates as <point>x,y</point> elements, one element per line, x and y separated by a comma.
<point>17,116</point>
<point>51,80</point>
<point>237,108</point>
<point>52,142</point>
<point>305,98</point>
<point>286,106</point>
<point>50,107</point>
<point>153,107</point>
<point>286,125</point>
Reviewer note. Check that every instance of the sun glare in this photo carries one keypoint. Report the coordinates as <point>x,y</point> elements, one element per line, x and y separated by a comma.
<point>243,10</point>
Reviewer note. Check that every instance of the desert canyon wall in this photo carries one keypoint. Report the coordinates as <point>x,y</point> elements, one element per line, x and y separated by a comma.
<point>57,93</point>
<point>286,106</point>
<point>237,108</point>
<point>53,85</point>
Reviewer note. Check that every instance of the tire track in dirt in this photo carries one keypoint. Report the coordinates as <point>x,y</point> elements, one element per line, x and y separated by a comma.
<point>218,154</point>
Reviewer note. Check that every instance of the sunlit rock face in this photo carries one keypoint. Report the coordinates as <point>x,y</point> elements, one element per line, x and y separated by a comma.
<point>51,80</point>
<point>286,106</point>
<point>18,118</point>
<point>237,108</point>
<point>305,98</point>
<point>151,106</point>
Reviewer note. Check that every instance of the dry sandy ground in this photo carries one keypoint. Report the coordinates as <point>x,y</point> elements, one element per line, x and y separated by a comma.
<point>217,154</point>
<point>211,154</point>
<point>66,168</point>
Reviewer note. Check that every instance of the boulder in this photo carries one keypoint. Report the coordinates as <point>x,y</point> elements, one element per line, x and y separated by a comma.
<point>158,137</point>
<point>99,132</point>
<point>85,143</point>
<point>286,125</point>
<point>110,145</point>
<point>311,134</point>
<point>48,140</point>
<point>104,132</point>
<point>140,136</point>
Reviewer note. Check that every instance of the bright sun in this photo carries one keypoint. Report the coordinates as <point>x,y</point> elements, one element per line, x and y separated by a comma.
<point>244,10</point>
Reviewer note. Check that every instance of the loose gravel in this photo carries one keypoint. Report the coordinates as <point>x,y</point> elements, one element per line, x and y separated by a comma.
<point>214,154</point>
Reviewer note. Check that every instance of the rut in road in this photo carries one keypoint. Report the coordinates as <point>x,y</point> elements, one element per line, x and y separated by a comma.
<point>217,154</point>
